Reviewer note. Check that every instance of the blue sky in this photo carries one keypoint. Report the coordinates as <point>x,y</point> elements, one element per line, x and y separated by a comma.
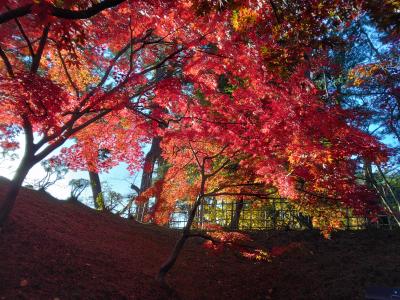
<point>118,178</point>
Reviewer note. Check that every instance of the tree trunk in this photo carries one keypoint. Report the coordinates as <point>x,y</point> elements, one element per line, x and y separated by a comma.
<point>152,156</point>
<point>236,217</point>
<point>201,215</point>
<point>304,221</point>
<point>179,244</point>
<point>95,184</point>
<point>8,202</point>
<point>369,180</point>
<point>185,235</point>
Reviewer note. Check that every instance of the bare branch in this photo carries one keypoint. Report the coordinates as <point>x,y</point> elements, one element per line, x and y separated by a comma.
<point>36,59</point>
<point>28,42</point>
<point>217,154</point>
<point>224,164</point>
<point>135,188</point>
<point>74,86</point>
<point>69,133</point>
<point>195,156</point>
<point>60,12</point>
<point>7,62</point>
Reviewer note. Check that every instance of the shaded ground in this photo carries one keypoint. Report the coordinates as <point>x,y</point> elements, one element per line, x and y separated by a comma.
<point>52,249</point>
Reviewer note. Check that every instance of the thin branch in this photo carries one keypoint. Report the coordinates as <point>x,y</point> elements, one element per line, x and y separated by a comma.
<point>68,126</point>
<point>60,12</point>
<point>112,64</point>
<point>388,185</point>
<point>74,86</point>
<point>224,164</point>
<point>78,114</point>
<point>160,122</point>
<point>369,42</point>
<point>68,134</point>
<point>131,46</point>
<point>126,207</point>
<point>195,155</point>
<point>67,130</point>
<point>135,188</point>
<point>115,60</point>
<point>161,62</point>
<point>255,184</point>
<point>87,123</point>
<point>7,62</point>
<point>28,42</point>
<point>36,59</point>
<point>217,154</point>
<point>385,203</point>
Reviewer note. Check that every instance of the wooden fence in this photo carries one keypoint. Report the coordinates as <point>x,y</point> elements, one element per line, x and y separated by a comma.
<point>276,215</point>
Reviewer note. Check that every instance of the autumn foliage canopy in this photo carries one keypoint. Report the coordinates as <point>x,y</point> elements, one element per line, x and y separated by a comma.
<point>226,84</point>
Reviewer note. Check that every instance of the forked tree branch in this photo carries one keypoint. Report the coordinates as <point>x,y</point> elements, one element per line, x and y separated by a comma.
<point>37,57</point>
<point>28,42</point>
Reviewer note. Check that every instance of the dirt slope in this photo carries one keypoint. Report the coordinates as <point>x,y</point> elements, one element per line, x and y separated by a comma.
<point>57,250</point>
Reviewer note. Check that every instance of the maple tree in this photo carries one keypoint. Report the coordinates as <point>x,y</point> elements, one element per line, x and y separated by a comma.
<point>57,80</point>
<point>362,75</point>
<point>225,84</point>
<point>229,165</point>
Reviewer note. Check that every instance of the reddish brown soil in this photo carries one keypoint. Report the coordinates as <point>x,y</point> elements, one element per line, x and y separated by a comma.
<point>57,250</point>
